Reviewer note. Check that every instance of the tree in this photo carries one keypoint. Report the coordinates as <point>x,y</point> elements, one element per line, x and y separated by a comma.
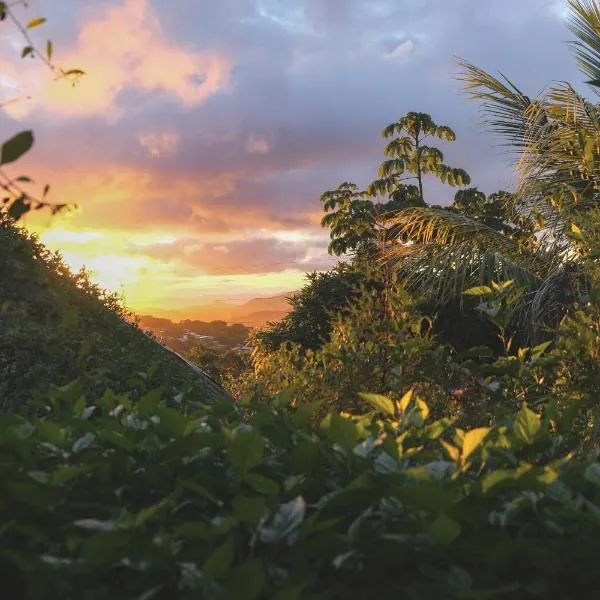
<point>556,141</point>
<point>314,307</point>
<point>356,219</point>
<point>410,159</point>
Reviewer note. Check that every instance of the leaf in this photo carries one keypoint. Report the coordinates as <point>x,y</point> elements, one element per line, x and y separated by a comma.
<point>220,561</point>
<point>246,449</point>
<point>172,422</point>
<point>36,22</point>
<point>540,349</point>
<point>380,403</point>
<point>73,73</point>
<point>96,525</point>
<point>592,473</point>
<point>495,477</point>
<point>452,451</point>
<point>343,431</point>
<point>249,510</point>
<point>291,593</point>
<point>285,523</point>
<point>576,233</point>
<point>261,484</point>
<point>444,530</point>
<point>405,401</point>
<point>480,290</point>
<point>150,401</point>
<point>526,424</point>
<point>247,581</point>
<point>18,208</point>
<point>49,50</point>
<point>15,147</point>
<point>27,50</point>
<point>472,440</point>
<point>83,442</point>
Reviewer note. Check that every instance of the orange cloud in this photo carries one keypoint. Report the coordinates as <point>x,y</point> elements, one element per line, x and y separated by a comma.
<point>124,47</point>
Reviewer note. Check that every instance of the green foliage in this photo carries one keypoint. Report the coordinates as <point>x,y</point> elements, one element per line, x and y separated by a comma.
<point>409,159</point>
<point>140,501</point>
<point>57,325</point>
<point>326,295</point>
<point>226,366</point>
<point>372,347</point>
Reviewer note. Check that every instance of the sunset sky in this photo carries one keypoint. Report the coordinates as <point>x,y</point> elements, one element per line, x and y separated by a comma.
<point>198,143</point>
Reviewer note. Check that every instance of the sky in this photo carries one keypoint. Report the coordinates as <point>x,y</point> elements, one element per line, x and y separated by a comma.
<point>198,143</point>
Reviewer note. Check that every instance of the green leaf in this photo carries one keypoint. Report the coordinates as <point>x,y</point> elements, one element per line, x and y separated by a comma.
<point>49,50</point>
<point>247,581</point>
<point>83,442</point>
<point>380,403</point>
<point>472,440</point>
<point>27,50</point>
<point>592,473</point>
<point>249,510</point>
<point>291,593</point>
<point>540,349</point>
<point>343,431</point>
<point>495,477</point>
<point>444,530</point>
<point>36,22</point>
<point>15,147</point>
<point>246,449</point>
<point>261,484</point>
<point>526,424</point>
<point>150,401</point>
<point>480,290</point>
<point>172,422</point>
<point>220,561</point>
<point>285,524</point>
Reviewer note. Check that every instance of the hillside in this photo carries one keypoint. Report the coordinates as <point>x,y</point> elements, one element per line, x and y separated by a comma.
<point>256,312</point>
<point>57,325</point>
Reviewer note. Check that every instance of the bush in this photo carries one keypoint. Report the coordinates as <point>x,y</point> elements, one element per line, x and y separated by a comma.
<point>122,500</point>
<point>377,345</point>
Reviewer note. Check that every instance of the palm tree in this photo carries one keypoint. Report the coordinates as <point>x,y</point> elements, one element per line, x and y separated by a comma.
<point>555,140</point>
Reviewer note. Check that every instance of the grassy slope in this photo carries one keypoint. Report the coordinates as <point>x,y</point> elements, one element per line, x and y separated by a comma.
<point>55,325</point>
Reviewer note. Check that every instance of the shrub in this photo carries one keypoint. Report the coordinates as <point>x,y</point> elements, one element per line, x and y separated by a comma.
<point>123,500</point>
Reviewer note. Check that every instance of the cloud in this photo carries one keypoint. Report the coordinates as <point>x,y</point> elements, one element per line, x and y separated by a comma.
<point>122,47</point>
<point>244,256</point>
<point>225,121</point>
<point>159,143</point>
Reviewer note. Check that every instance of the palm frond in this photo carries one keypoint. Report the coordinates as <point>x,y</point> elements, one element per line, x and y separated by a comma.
<point>444,272</point>
<point>584,24</point>
<point>427,225</point>
<point>507,111</point>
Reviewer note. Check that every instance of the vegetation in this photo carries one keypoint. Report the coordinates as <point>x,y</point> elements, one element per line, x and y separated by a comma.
<point>367,450</point>
<point>57,325</point>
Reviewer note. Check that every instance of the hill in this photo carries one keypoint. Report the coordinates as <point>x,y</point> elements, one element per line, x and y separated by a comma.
<point>256,312</point>
<point>57,325</point>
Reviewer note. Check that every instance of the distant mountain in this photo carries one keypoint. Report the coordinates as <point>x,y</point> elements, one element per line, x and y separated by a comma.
<point>253,313</point>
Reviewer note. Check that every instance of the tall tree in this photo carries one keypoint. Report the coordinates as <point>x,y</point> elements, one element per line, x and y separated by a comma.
<point>410,158</point>
<point>556,141</point>
<point>357,218</point>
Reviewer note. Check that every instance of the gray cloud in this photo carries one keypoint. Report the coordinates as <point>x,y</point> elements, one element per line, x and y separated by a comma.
<point>314,82</point>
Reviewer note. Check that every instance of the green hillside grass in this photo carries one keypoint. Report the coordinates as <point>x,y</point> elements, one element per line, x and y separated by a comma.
<point>56,326</point>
